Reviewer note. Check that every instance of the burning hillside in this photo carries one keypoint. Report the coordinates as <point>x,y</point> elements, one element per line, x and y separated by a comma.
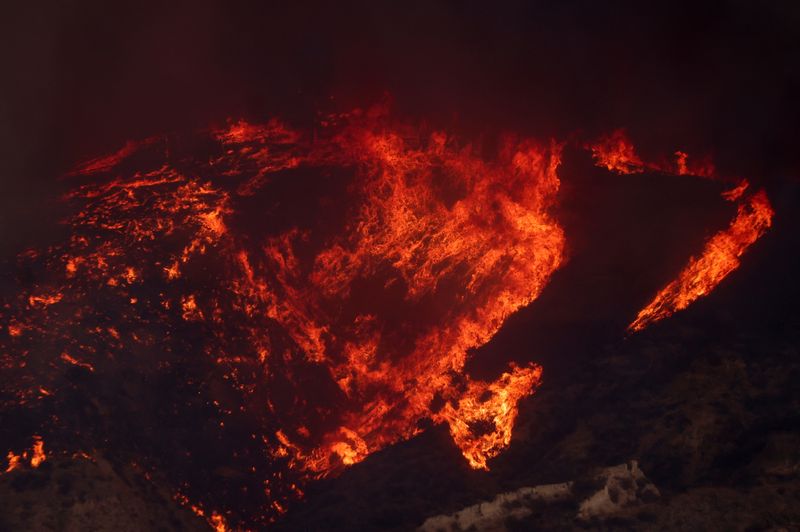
<point>290,303</point>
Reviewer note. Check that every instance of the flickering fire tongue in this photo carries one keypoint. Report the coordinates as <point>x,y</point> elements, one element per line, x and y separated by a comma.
<point>341,334</point>
<point>721,254</point>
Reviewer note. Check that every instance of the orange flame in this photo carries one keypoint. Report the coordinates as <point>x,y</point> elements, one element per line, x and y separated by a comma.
<point>721,254</point>
<point>13,461</point>
<point>438,245</point>
<point>481,422</point>
<point>719,258</point>
<point>218,522</point>
<point>69,359</point>
<point>37,453</point>
<point>615,152</point>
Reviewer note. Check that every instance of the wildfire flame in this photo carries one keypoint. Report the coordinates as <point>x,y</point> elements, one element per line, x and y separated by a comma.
<point>349,333</point>
<point>37,453</point>
<point>719,258</point>
<point>721,254</point>
<point>35,456</point>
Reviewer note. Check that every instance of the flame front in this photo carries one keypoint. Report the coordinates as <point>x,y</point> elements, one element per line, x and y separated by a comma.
<point>465,242</point>
<point>436,247</point>
<point>480,255</point>
<point>340,334</point>
<point>719,258</point>
<point>721,253</point>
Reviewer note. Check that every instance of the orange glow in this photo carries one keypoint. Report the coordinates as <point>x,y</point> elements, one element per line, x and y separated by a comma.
<point>494,406</point>
<point>685,166</point>
<point>736,192</point>
<point>217,522</point>
<point>173,271</point>
<point>615,152</point>
<point>496,240</point>
<point>13,461</point>
<point>66,357</point>
<point>35,457</point>
<point>130,274</point>
<point>37,453</point>
<point>44,300</point>
<point>190,310</point>
<point>108,162</point>
<point>72,266</point>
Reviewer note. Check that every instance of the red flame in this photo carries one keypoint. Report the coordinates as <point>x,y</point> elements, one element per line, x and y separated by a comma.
<point>721,254</point>
<point>493,243</point>
<point>436,247</point>
<point>35,456</point>
<point>616,153</point>
<point>13,461</point>
<point>37,453</point>
<point>719,258</point>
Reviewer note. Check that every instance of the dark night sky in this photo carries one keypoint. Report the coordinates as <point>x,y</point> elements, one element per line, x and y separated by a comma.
<point>81,78</point>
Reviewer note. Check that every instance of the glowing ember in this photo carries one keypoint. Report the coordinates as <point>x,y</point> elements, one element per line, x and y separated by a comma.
<point>13,461</point>
<point>494,241</point>
<point>615,152</point>
<point>75,362</point>
<point>496,413</point>
<point>215,520</point>
<point>217,523</point>
<point>37,453</point>
<point>35,456</point>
